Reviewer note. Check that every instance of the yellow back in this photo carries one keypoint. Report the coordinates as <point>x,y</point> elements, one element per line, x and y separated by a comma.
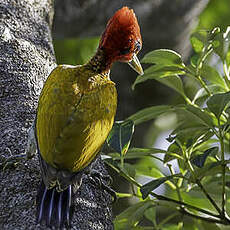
<point>75,115</point>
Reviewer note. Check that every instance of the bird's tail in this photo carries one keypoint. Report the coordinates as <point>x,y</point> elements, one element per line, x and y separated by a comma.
<point>54,207</point>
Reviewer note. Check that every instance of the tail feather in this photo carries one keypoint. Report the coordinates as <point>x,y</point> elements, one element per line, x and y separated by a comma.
<point>54,208</point>
<point>69,202</point>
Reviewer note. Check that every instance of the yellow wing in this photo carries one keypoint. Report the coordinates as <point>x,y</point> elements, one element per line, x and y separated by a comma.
<point>75,114</point>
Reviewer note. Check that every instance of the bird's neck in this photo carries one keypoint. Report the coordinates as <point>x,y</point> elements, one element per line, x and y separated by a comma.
<point>99,63</point>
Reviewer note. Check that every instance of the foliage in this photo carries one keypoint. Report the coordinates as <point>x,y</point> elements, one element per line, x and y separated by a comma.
<point>197,159</point>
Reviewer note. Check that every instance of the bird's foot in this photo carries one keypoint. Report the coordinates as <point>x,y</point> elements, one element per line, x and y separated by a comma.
<point>12,161</point>
<point>98,178</point>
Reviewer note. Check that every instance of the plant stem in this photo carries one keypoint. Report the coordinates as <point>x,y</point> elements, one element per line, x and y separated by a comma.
<point>208,196</point>
<point>122,161</point>
<point>223,168</point>
<point>207,219</point>
<point>226,75</point>
<point>202,188</point>
<point>161,197</point>
<point>167,219</point>
<point>213,218</point>
<point>175,182</point>
<point>204,85</point>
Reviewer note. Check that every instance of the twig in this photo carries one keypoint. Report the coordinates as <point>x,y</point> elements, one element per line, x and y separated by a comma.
<point>161,197</point>
<point>207,219</point>
<point>208,196</point>
<point>223,169</point>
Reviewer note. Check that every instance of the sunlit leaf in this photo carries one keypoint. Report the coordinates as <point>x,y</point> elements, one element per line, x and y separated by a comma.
<point>210,226</point>
<point>201,114</point>
<point>194,60</point>
<point>158,72</point>
<point>212,76</point>
<point>192,116</point>
<point>218,102</point>
<point>198,40</point>
<point>174,147</point>
<point>223,40</point>
<point>149,113</point>
<point>200,159</point>
<point>205,142</point>
<point>150,186</point>
<point>173,82</point>
<point>135,153</point>
<point>132,215</point>
<point>163,57</point>
<point>208,169</point>
<point>121,135</point>
<point>150,151</point>
<point>203,95</point>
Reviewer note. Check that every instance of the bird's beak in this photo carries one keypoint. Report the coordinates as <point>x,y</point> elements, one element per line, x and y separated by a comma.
<point>135,64</point>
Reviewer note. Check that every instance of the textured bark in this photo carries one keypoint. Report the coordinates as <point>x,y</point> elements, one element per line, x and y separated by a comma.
<point>26,59</point>
<point>164,24</point>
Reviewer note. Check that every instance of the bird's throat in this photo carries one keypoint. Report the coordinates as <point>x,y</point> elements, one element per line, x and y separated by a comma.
<point>99,63</point>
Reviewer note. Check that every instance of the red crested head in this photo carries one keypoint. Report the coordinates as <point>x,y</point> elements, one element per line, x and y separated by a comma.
<point>121,40</point>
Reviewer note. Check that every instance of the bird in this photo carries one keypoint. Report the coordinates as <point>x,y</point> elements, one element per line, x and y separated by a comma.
<point>75,114</point>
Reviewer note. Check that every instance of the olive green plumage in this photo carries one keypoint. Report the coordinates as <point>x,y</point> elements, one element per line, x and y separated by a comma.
<point>75,114</point>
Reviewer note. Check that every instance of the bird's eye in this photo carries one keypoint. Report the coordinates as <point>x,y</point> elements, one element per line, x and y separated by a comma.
<point>137,46</point>
<point>125,51</point>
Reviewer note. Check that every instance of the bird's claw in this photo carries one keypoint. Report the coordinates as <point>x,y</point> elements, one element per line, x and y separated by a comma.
<point>97,179</point>
<point>11,162</point>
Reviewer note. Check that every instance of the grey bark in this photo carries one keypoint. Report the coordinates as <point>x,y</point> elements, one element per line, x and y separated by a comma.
<point>26,59</point>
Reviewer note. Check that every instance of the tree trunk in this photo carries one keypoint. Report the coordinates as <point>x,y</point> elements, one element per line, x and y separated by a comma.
<point>26,59</point>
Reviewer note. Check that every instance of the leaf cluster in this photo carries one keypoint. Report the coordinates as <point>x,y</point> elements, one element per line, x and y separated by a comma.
<point>194,169</point>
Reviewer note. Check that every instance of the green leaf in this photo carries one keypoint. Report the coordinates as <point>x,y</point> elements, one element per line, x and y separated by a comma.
<point>212,76</point>
<point>147,151</point>
<point>150,186</point>
<point>218,102</point>
<point>194,60</point>
<point>210,226</point>
<point>163,57</point>
<point>170,227</point>
<point>201,39</point>
<point>223,41</point>
<point>174,147</point>
<point>201,114</point>
<point>150,214</point>
<point>129,169</point>
<point>139,152</point>
<point>198,40</point>
<point>195,115</point>
<point>149,170</point>
<point>208,170</point>
<point>149,113</point>
<point>132,215</point>
<point>188,136</point>
<point>157,72</point>
<point>200,159</point>
<point>173,82</point>
<point>203,95</point>
<point>120,136</point>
